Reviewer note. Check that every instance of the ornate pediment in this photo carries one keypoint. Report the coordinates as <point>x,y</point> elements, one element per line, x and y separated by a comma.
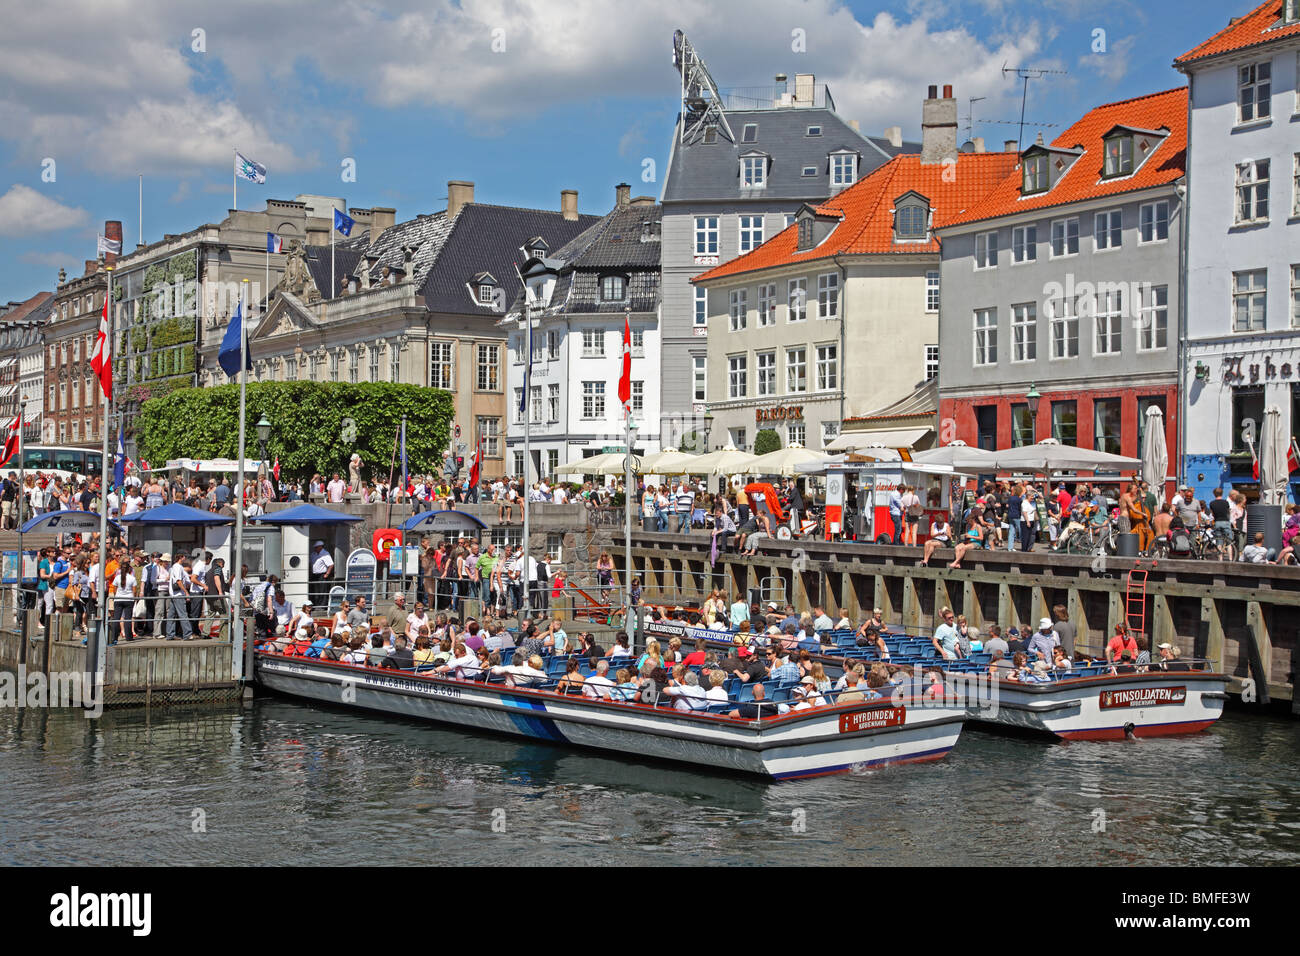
<point>288,316</point>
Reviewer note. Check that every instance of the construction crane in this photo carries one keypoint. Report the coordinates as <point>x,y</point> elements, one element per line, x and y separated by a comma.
<point>701,102</point>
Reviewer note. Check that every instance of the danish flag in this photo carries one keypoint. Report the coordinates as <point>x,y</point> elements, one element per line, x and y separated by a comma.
<point>101,360</point>
<point>625,380</point>
<point>11,442</point>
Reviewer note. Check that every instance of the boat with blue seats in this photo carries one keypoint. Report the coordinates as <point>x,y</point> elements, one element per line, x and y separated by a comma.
<point>817,741</point>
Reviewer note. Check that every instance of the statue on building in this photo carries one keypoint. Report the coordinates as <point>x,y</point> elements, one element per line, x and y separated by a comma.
<point>296,277</point>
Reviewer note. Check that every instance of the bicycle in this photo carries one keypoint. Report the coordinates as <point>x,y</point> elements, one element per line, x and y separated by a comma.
<point>1214,544</point>
<point>1093,539</point>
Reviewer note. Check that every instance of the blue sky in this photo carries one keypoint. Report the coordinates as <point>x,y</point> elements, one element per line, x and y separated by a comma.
<point>524,98</point>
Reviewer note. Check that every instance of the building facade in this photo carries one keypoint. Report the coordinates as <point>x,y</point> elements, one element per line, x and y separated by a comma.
<point>417,302</point>
<point>73,411</point>
<point>1064,281</point>
<point>837,316</point>
<point>580,296</point>
<point>741,165</point>
<point>1243,244</point>
<point>22,366</point>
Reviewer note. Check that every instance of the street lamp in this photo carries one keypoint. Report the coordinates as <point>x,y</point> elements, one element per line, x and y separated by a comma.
<point>263,436</point>
<point>1032,398</point>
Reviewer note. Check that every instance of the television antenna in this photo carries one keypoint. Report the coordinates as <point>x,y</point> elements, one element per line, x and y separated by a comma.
<point>970,112</point>
<point>1025,74</point>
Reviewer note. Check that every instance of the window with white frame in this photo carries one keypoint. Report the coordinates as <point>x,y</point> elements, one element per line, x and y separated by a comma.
<point>701,308</point>
<point>593,343</point>
<point>554,542</point>
<point>798,299</point>
<point>593,400</point>
<point>1295,300</point>
<point>1249,300</point>
<point>931,362</point>
<point>489,368</point>
<point>291,368</point>
<point>1065,237</point>
<point>373,355</point>
<point>519,406</point>
<point>986,250</point>
<point>1153,221</point>
<point>828,367</point>
<point>1035,174</point>
<point>553,402</point>
<point>1064,323</point>
<point>932,290</point>
<point>986,336</point>
<point>75,437</point>
<point>1108,312</point>
<point>76,393</point>
<point>699,376</point>
<point>518,469</point>
<point>767,305</point>
<point>1295,160</point>
<point>1108,230</point>
<point>1153,319</point>
<point>334,366</point>
<point>738,309</point>
<point>1024,243</point>
<point>552,344</point>
<point>395,361</point>
<point>751,233</point>
<point>796,369</point>
<point>796,433</point>
<point>1024,332</point>
<point>1119,156</point>
<point>753,172</point>
<point>638,398</point>
<point>638,343</point>
<point>535,404</point>
<point>1254,91</point>
<point>489,433</point>
<point>765,372</point>
<point>706,235</point>
<point>1252,191</point>
<point>844,170</point>
<point>539,349</point>
<point>828,295</point>
<point>736,376</point>
<point>911,221</point>
<point>613,289</point>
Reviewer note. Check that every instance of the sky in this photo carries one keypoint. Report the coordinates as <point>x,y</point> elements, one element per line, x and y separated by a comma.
<point>523,97</point>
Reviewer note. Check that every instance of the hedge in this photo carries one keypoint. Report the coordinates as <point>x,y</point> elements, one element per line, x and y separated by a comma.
<point>767,441</point>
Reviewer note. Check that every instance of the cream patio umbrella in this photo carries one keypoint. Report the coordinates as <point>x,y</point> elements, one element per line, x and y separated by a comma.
<point>725,461</point>
<point>669,461</point>
<point>783,461</point>
<point>595,465</point>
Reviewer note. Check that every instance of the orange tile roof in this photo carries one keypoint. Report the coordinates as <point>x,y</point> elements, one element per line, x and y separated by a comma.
<point>866,211</point>
<point>1083,180</point>
<point>1250,30</point>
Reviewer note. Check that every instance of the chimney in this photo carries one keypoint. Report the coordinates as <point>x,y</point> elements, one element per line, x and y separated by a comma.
<point>622,194</point>
<point>459,193</point>
<point>1010,146</point>
<point>938,127</point>
<point>569,204</point>
<point>979,144</point>
<point>112,232</point>
<point>383,217</point>
<point>895,136</point>
<point>805,86</point>
<point>782,97</point>
<point>855,126</point>
<point>92,266</point>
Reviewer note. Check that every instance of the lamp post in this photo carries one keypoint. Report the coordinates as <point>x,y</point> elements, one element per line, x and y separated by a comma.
<point>263,436</point>
<point>1032,397</point>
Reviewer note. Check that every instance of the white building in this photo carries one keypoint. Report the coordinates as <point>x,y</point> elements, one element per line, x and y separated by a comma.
<point>1243,246</point>
<point>581,295</point>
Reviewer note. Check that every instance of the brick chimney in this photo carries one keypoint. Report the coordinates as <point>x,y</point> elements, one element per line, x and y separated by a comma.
<point>459,193</point>
<point>622,195</point>
<point>112,232</point>
<point>938,127</point>
<point>569,204</point>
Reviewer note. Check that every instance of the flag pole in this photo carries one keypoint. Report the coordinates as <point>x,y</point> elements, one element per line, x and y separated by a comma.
<point>333,285</point>
<point>141,239</point>
<point>237,558</point>
<point>527,606</point>
<point>18,510</point>
<point>402,529</point>
<point>98,639</point>
<point>234,180</point>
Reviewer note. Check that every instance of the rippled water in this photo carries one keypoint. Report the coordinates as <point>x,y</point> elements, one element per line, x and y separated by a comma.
<point>280,782</point>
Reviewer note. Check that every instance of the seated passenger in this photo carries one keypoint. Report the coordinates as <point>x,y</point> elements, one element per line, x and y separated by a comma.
<point>756,708</point>
<point>690,695</point>
<point>598,684</point>
<point>716,693</point>
<point>338,646</point>
<point>401,658</point>
<point>572,681</point>
<point>356,653</point>
<point>852,691</point>
<point>464,663</point>
<point>521,673</point>
<point>423,653</point>
<point>625,689</point>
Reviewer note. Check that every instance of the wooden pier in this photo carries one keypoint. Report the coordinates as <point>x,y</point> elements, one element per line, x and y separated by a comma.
<point>1244,616</point>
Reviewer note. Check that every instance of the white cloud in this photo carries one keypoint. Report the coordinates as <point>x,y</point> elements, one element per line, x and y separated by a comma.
<point>1112,65</point>
<point>23,211</point>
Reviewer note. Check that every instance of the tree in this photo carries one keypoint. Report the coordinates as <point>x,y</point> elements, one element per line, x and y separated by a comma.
<point>309,428</point>
<point>766,441</point>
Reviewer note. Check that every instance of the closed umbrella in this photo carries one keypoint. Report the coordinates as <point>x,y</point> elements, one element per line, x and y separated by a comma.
<point>725,461</point>
<point>783,461</point>
<point>1155,453</point>
<point>1273,473</point>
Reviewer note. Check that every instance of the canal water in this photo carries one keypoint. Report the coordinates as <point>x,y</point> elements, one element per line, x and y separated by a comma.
<point>282,783</point>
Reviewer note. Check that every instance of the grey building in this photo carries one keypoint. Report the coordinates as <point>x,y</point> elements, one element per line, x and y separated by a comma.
<point>741,165</point>
<point>1065,281</point>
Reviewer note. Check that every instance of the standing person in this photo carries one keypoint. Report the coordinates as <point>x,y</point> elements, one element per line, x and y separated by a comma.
<point>152,574</point>
<point>1029,518</point>
<point>684,507</point>
<point>322,569</point>
<point>912,512</point>
<point>1064,628</point>
<point>217,586</point>
<point>1015,516</point>
<point>336,489</point>
<point>124,584</point>
<point>199,586</point>
<point>179,626</point>
<point>9,502</point>
<point>605,575</point>
<point>43,566</point>
<point>896,515</point>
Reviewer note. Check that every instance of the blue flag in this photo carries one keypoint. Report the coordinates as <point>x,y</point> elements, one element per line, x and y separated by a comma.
<point>228,357</point>
<point>343,223</point>
<point>119,463</point>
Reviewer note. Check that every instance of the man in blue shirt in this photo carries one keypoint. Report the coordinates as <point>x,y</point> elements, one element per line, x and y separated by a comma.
<point>781,667</point>
<point>896,514</point>
<point>945,635</point>
<point>1044,639</point>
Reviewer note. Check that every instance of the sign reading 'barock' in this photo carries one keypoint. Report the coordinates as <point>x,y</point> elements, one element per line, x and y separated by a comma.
<point>1142,697</point>
<point>779,413</point>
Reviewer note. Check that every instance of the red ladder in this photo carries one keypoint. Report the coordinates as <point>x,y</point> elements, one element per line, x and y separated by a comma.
<point>1135,600</point>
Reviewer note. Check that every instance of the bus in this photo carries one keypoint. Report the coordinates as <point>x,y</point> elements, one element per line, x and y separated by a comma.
<point>63,461</point>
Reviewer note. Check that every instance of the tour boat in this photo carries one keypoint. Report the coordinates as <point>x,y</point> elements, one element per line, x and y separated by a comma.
<point>809,743</point>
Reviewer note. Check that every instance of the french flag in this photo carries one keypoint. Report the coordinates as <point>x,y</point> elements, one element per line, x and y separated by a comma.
<point>274,243</point>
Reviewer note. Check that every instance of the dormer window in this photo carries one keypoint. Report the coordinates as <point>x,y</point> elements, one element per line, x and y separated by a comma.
<point>1035,171</point>
<point>1119,156</point>
<point>805,234</point>
<point>813,227</point>
<point>485,293</point>
<point>484,288</point>
<point>750,133</point>
<point>613,289</point>
<point>911,221</point>
<point>844,169</point>
<point>753,171</point>
<point>535,248</point>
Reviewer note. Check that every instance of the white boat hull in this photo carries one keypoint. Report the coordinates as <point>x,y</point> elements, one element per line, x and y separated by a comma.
<point>810,743</point>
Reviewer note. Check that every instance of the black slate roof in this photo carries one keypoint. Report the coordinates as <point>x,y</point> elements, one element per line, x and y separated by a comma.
<point>347,256</point>
<point>712,170</point>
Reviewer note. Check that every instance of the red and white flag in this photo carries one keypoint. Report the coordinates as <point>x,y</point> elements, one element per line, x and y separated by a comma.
<point>476,466</point>
<point>11,442</point>
<point>275,469</point>
<point>144,465</point>
<point>101,360</point>
<point>1292,457</point>
<point>625,380</point>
